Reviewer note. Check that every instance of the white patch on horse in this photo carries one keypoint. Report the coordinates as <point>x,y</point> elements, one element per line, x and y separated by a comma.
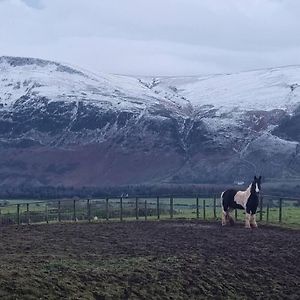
<point>256,188</point>
<point>241,197</point>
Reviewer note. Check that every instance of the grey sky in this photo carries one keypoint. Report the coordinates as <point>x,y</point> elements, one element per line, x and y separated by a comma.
<point>157,37</point>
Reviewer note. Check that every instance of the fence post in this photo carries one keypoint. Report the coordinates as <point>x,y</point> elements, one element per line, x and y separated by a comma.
<point>121,209</point>
<point>235,214</point>
<point>46,213</point>
<point>59,212</point>
<point>146,210</point>
<point>74,210</point>
<point>280,210</point>
<point>89,210</point>
<point>107,208</point>
<point>261,208</point>
<point>136,208</point>
<point>215,210</point>
<point>18,214</point>
<point>157,208</point>
<point>197,207</point>
<point>27,213</point>
<point>204,213</point>
<point>268,207</point>
<point>171,207</point>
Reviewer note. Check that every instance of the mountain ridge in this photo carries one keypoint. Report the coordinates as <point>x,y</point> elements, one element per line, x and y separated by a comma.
<point>139,130</point>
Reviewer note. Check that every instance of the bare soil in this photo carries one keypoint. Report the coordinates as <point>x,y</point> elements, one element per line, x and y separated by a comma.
<point>149,260</point>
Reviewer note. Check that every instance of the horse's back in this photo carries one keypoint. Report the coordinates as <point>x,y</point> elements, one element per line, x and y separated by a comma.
<point>228,200</point>
<point>229,193</point>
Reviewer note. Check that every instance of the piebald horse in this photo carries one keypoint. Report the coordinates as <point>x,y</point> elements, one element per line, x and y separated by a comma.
<point>247,200</point>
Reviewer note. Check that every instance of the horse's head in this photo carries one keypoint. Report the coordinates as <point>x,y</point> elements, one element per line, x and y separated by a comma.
<point>256,185</point>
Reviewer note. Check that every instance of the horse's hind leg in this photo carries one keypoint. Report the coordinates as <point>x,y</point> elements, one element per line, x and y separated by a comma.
<point>230,218</point>
<point>224,218</point>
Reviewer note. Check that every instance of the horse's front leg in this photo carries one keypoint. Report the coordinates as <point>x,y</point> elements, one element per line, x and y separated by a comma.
<point>247,220</point>
<point>253,221</point>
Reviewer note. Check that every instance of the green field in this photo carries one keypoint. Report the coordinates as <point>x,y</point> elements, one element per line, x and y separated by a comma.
<point>147,210</point>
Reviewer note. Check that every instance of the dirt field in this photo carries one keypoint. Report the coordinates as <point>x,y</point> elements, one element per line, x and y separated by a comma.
<point>149,260</point>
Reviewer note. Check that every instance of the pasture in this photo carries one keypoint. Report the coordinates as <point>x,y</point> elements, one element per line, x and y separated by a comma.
<point>166,259</point>
<point>272,210</point>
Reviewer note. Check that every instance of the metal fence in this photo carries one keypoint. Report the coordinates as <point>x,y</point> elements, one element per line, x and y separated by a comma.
<point>271,209</point>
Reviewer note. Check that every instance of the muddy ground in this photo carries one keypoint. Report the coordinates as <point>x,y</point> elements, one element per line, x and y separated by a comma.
<point>149,260</point>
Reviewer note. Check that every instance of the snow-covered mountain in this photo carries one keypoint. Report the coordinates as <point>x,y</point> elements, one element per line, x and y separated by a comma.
<point>63,126</point>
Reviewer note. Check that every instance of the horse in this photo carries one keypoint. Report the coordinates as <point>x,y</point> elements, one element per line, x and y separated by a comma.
<point>247,200</point>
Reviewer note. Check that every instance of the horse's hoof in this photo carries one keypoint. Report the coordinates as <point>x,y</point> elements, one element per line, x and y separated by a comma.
<point>231,222</point>
<point>254,226</point>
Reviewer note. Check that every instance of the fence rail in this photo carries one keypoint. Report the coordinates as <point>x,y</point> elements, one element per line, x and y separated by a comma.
<point>271,209</point>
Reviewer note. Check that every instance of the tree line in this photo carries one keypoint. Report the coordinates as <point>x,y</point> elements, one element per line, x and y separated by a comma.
<point>167,190</point>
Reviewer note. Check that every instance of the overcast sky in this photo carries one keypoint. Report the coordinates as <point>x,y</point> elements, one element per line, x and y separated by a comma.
<point>154,37</point>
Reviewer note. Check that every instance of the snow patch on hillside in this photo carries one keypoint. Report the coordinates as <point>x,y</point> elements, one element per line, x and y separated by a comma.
<point>277,88</point>
<point>56,82</point>
<point>220,100</point>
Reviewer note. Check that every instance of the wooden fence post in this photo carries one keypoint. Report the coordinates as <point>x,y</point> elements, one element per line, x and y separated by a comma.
<point>74,210</point>
<point>107,208</point>
<point>136,208</point>
<point>280,210</point>
<point>59,212</point>
<point>121,209</point>
<point>171,207</point>
<point>235,214</point>
<point>215,209</point>
<point>89,210</point>
<point>197,207</point>
<point>27,213</point>
<point>146,210</point>
<point>46,213</point>
<point>204,212</point>
<point>261,208</point>
<point>18,214</point>
<point>157,208</point>
<point>268,207</point>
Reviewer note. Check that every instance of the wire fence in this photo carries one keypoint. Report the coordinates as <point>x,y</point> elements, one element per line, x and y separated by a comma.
<point>271,209</point>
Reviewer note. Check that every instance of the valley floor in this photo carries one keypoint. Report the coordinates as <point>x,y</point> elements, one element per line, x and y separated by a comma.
<point>149,260</point>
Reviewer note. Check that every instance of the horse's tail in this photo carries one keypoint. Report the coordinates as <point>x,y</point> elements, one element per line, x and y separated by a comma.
<point>221,198</point>
<point>223,215</point>
<point>221,201</point>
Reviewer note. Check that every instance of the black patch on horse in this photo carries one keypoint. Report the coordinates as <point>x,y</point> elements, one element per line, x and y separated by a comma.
<point>253,200</point>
